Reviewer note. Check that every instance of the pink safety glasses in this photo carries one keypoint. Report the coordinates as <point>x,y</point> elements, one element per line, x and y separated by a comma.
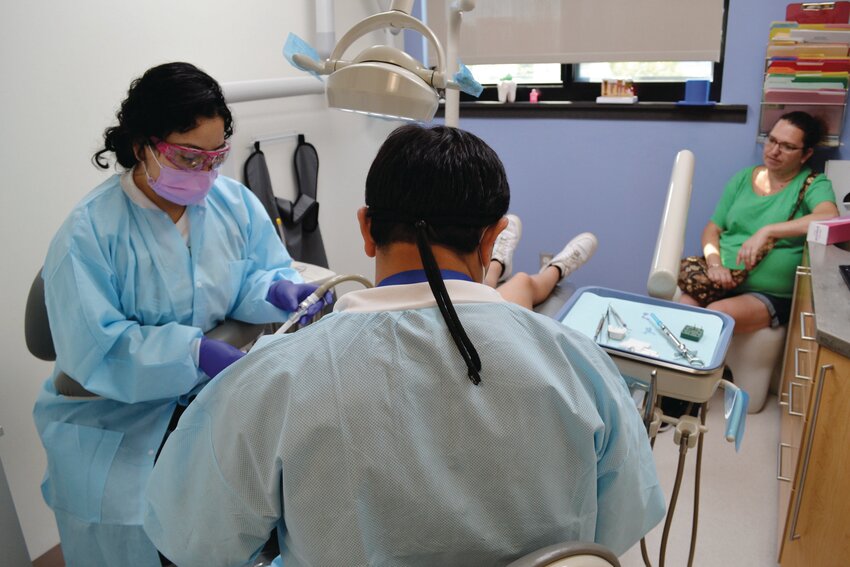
<point>191,159</point>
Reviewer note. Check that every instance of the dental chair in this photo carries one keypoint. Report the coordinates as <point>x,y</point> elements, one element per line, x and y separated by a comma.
<point>753,358</point>
<point>40,341</point>
<point>569,554</point>
<point>566,554</point>
<point>237,333</point>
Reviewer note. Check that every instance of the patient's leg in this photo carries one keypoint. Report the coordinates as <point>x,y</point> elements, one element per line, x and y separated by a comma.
<point>527,290</point>
<point>494,273</point>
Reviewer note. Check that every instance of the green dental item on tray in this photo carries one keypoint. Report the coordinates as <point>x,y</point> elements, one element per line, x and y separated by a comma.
<point>691,332</point>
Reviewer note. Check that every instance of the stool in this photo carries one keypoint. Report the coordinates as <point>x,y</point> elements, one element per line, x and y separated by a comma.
<point>753,358</point>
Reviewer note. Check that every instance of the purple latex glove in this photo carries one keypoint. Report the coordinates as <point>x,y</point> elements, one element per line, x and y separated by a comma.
<point>287,295</point>
<point>215,356</point>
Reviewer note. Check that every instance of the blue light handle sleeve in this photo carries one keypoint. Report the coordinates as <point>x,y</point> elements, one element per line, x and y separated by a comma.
<point>296,45</point>
<point>735,404</point>
<point>466,81</point>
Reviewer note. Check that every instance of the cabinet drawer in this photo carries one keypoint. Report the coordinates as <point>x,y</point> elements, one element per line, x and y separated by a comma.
<point>798,366</point>
<point>815,532</point>
<point>800,347</point>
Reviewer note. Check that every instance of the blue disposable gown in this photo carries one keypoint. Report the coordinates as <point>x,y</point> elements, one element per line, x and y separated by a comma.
<point>128,301</point>
<point>361,439</point>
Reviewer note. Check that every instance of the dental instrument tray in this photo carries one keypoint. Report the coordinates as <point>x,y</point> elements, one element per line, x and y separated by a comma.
<point>686,369</point>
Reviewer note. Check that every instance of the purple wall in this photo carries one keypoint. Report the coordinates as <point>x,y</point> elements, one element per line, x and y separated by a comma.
<point>610,177</point>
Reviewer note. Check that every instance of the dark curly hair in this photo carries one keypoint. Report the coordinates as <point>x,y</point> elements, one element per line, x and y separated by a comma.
<point>167,98</point>
<point>813,127</point>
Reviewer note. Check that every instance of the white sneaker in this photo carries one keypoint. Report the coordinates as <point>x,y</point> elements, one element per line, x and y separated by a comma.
<point>575,254</point>
<point>503,248</point>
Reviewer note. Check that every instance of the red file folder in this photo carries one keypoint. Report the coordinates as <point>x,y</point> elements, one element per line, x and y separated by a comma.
<point>818,12</point>
<point>802,65</point>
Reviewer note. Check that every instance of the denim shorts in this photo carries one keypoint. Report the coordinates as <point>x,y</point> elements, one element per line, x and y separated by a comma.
<point>779,308</point>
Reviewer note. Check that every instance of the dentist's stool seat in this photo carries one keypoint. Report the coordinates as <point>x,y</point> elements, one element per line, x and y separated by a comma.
<point>569,554</point>
<point>753,359</point>
<point>40,342</point>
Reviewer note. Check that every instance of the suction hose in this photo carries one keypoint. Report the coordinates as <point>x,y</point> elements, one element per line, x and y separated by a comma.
<point>314,297</point>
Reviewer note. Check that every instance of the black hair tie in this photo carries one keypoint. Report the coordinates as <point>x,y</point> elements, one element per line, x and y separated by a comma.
<point>441,294</point>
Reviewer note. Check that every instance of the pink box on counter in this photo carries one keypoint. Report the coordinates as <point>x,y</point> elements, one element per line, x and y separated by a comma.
<point>829,231</point>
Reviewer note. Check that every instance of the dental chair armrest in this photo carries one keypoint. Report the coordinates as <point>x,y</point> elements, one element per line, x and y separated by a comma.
<point>236,333</point>
<point>67,386</point>
<point>565,550</point>
<point>36,326</point>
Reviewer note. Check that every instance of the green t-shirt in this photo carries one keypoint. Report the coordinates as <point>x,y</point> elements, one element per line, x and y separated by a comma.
<point>740,213</point>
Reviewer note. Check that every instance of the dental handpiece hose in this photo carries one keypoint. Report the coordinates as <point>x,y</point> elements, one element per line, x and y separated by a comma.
<point>314,297</point>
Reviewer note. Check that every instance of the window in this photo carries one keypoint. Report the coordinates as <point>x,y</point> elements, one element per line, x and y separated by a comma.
<point>522,73</point>
<point>655,81</point>
<point>644,71</point>
<point>564,48</point>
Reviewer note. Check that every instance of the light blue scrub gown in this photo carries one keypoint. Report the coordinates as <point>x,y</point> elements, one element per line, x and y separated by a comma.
<point>128,301</point>
<point>361,439</point>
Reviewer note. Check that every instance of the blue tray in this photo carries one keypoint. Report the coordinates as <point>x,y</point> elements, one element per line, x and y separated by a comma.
<point>583,311</point>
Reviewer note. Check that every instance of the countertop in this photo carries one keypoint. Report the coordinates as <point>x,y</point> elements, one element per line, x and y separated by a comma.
<point>831,297</point>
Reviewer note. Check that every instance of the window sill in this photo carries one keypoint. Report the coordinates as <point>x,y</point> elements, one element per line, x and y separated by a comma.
<point>736,113</point>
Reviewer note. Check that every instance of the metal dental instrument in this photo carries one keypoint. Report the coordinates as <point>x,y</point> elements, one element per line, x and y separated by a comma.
<point>619,319</point>
<point>618,330</point>
<point>314,297</point>
<point>598,332</point>
<point>682,348</point>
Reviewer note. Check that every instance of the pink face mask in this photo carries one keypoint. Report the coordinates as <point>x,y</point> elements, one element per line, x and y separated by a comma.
<point>182,187</point>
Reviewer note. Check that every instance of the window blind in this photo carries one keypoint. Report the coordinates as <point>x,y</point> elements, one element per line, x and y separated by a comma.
<point>580,31</point>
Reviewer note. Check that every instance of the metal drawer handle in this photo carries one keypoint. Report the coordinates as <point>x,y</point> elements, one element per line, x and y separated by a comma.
<point>797,374</point>
<point>803,335</point>
<point>779,463</point>
<point>804,271</point>
<point>791,400</point>
<point>792,533</point>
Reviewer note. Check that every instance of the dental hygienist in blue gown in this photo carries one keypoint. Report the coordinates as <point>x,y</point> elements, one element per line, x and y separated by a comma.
<point>143,266</point>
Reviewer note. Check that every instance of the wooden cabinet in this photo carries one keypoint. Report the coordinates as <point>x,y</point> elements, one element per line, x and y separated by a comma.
<point>795,389</point>
<point>813,462</point>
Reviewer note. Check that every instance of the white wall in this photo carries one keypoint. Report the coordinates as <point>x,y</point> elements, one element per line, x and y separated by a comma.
<point>65,67</point>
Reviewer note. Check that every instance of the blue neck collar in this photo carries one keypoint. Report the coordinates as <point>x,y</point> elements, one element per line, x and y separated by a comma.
<point>418,276</point>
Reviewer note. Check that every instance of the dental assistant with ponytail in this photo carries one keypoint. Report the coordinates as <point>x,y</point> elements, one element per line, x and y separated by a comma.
<point>146,264</point>
<point>425,422</point>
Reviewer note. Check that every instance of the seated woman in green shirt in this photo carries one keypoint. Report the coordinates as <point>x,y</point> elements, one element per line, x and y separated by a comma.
<point>755,206</point>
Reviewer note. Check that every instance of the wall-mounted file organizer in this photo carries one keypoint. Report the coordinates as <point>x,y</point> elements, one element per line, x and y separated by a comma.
<point>831,114</point>
<point>807,68</point>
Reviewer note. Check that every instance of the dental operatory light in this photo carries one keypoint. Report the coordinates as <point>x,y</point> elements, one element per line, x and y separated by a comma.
<point>382,80</point>
<point>387,82</point>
